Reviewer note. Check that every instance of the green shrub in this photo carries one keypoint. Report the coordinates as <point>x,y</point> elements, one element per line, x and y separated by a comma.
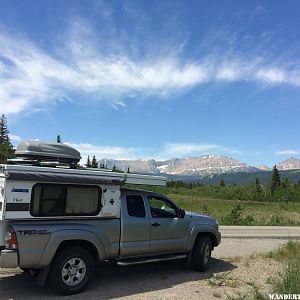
<point>287,281</point>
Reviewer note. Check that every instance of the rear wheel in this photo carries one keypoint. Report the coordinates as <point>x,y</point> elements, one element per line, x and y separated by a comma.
<point>71,270</point>
<point>201,253</point>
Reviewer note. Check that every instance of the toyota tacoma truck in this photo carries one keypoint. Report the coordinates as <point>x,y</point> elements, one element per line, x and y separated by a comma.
<point>60,223</point>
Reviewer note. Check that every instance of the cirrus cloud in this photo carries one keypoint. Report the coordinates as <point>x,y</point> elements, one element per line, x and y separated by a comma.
<point>32,76</point>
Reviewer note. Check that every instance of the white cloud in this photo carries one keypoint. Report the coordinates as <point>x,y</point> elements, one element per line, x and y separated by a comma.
<point>15,138</point>
<point>105,151</point>
<point>165,151</point>
<point>272,75</point>
<point>117,104</point>
<point>188,148</point>
<point>102,69</point>
<point>185,149</point>
<point>288,152</point>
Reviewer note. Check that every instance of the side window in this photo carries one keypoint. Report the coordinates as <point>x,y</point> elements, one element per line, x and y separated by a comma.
<point>62,199</point>
<point>162,208</point>
<point>135,206</point>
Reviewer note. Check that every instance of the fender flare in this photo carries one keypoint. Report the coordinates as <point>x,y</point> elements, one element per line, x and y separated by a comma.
<point>203,229</point>
<point>64,235</point>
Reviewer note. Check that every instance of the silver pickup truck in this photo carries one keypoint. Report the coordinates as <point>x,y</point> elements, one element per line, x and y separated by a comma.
<point>59,224</point>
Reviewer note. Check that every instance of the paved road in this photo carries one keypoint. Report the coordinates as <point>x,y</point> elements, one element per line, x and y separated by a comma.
<point>271,232</point>
<point>248,240</point>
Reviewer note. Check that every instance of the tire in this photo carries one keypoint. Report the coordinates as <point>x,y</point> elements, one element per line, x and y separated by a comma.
<point>71,270</point>
<point>201,253</point>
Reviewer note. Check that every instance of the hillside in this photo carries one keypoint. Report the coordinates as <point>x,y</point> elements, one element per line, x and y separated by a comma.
<point>239,178</point>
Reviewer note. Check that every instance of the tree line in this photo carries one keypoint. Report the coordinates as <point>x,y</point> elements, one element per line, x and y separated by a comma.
<point>276,190</point>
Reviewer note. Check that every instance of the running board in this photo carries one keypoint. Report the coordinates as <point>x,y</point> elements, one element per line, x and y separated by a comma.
<point>150,260</point>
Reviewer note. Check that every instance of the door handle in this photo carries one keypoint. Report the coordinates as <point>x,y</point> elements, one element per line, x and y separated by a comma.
<point>155,224</point>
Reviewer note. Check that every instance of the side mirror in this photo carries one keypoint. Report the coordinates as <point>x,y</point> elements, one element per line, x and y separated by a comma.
<point>181,213</point>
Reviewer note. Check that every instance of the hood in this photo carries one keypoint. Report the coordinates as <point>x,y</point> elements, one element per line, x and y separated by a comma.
<point>200,217</point>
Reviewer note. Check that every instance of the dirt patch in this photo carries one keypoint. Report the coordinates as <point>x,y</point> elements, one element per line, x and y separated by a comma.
<point>169,280</point>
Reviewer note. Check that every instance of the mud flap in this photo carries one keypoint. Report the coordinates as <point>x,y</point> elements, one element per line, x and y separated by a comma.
<point>42,276</point>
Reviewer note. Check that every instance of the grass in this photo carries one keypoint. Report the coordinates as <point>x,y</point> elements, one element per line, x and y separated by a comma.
<point>290,251</point>
<point>223,279</point>
<point>217,294</point>
<point>253,294</point>
<point>238,296</point>
<point>287,281</point>
<point>257,294</point>
<point>252,212</point>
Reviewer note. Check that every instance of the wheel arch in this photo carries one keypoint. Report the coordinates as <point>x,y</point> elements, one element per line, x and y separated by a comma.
<point>67,238</point>
<point>79,243</point>
<point>199,231</point>
<point>212,237</point>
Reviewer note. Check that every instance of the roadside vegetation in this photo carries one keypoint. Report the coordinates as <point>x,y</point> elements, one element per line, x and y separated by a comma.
<point>281,191</point>
<point>287,281</point>
<point>275,203</point>
<point>257,276</point>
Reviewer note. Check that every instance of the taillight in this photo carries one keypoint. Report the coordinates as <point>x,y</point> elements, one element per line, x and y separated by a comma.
<point>11,239</point>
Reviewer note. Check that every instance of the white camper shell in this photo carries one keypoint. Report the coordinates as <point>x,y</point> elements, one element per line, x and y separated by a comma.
<point>27,190</point>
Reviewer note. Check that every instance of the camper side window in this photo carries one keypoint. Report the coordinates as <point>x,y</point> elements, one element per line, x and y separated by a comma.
<point>65,200</point>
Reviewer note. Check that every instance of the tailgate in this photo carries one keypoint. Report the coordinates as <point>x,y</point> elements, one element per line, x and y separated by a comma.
<point>1,196</point>
<point>2,223</point>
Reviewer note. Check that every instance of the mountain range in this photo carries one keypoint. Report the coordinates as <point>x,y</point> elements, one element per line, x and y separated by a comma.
<point>201,166</point>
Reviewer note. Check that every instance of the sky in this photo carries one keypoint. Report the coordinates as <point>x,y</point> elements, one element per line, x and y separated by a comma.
<point>154,79</point>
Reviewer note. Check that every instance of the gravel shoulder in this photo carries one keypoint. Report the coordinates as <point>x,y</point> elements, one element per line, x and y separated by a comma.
<point>234,269</point>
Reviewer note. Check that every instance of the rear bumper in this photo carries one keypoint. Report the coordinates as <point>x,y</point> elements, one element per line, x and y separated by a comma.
<point>8,258</point>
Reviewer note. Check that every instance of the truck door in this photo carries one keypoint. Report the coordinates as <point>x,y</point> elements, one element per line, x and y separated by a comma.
<point>135,226</point>
<point>168,231</point>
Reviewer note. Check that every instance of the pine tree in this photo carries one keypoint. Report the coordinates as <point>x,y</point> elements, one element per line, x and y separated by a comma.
<point>128,171</point>
<point>275,181</point>
<point>58,139</point>
<point>6,148</point>
<point>88,162</point>
<point>258,190</point>
<point>94,162</point>
<point>285,183</point>
<point>222,183</point>
<point>114,169</point>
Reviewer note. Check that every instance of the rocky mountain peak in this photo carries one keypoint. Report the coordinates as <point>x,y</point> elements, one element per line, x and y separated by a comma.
<point>199,166</point>
<point>291,163</point>
<point>264,168</point>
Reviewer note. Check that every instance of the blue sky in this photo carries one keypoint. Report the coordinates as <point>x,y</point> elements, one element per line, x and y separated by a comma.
<point>154,79</point>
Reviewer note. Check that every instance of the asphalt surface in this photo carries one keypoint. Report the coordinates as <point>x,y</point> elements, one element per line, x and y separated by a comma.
<point>269,232</point>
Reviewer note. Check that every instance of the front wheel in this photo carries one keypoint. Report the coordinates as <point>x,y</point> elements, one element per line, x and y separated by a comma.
<point>71,270</point>
<point>201,253</point>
